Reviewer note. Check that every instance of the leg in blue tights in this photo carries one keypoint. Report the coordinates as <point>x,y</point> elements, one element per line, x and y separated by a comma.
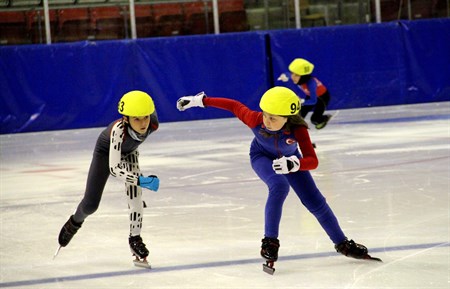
<point>310,196</point>
<point>278,191</point>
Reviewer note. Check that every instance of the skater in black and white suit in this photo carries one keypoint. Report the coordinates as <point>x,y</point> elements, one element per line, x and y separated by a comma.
<point>116,153</point>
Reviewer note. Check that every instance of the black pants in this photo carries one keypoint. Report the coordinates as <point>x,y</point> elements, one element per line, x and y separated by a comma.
<point>99,172</point>
<point>318,109</point>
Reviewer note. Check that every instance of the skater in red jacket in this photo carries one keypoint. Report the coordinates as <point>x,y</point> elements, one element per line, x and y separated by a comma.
<point>315,96</point>
<point>279,131</point>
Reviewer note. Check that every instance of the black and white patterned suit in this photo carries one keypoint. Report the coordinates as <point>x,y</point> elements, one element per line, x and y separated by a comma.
<point>116,153</point>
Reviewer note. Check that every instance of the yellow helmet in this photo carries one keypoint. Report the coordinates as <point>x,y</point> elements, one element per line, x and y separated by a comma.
<point>280,100</point>
<point>136,103</point>
<point>301,66</point>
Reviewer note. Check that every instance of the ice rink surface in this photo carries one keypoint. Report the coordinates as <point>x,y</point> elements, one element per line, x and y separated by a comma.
<point>385,172</point>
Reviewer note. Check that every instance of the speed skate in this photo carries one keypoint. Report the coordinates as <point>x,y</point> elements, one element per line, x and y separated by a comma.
<point>141,262</point>
<point>139,251</point>
<point>57,252</point>
<point>268,267</point>
<point>370,258</point>
<point>269,251</point>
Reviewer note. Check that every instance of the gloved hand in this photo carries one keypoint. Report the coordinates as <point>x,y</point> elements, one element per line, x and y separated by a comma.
<point>150,182</point>
<point>283,77</point>
<point>286,165</point>
<point>189,101</point>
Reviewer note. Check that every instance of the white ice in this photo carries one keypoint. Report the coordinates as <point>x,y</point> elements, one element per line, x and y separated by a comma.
<point>385,172</point>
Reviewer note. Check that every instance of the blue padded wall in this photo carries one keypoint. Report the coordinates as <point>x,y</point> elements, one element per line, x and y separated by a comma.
<point>372,65</point>
<point>78,85</point>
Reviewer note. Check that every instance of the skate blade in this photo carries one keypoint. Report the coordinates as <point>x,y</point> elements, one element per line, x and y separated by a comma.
<point>268,268</point>
<point>142,263</point>
<point>56,253</point>
<point>370,258</point>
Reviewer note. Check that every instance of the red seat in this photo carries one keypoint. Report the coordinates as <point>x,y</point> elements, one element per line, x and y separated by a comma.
<point>231,5</point>
<point>109,22</point>
<point>422,8</point>
<point>145,22</point>
<point>199,17</point>
<point>396,9</point>
<point>37,25</point>
<point>233,21</point>
<point>389,9</point>
<point>14,28</point>
<point>169,18</point>
<point>440,8</point>
<point>232,16</point>
<point>75,24</point>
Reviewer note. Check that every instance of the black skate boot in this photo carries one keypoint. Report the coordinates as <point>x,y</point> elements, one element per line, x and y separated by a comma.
<point>67,232</point>
<point>321,125</point>
<point>139,250</point>
<point>269,251</point>
<point>354,250</point>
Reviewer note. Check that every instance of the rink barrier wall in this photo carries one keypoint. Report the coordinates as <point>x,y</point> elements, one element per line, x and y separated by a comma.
<point>78,85</point>
<point>373,65</point>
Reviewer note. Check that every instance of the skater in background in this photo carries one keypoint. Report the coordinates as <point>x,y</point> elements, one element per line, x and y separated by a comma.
<point>315,96</point>
<point>279,130</point>
<point>116,153</point>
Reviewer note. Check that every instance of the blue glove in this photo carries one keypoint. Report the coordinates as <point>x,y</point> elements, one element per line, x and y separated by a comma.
<point>150,182</point>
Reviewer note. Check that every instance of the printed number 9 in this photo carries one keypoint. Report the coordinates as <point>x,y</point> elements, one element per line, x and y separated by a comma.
<point>295,107</point>
<point>121,104</point>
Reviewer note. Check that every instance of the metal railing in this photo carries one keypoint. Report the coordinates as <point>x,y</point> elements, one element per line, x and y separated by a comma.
<point>260,14</point>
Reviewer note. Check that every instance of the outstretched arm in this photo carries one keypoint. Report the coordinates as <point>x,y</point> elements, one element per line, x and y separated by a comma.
<point>249,117</point>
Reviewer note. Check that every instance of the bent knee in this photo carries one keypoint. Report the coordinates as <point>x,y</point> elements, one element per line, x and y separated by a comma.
<point>278,185</point>
<point>90,208</point>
